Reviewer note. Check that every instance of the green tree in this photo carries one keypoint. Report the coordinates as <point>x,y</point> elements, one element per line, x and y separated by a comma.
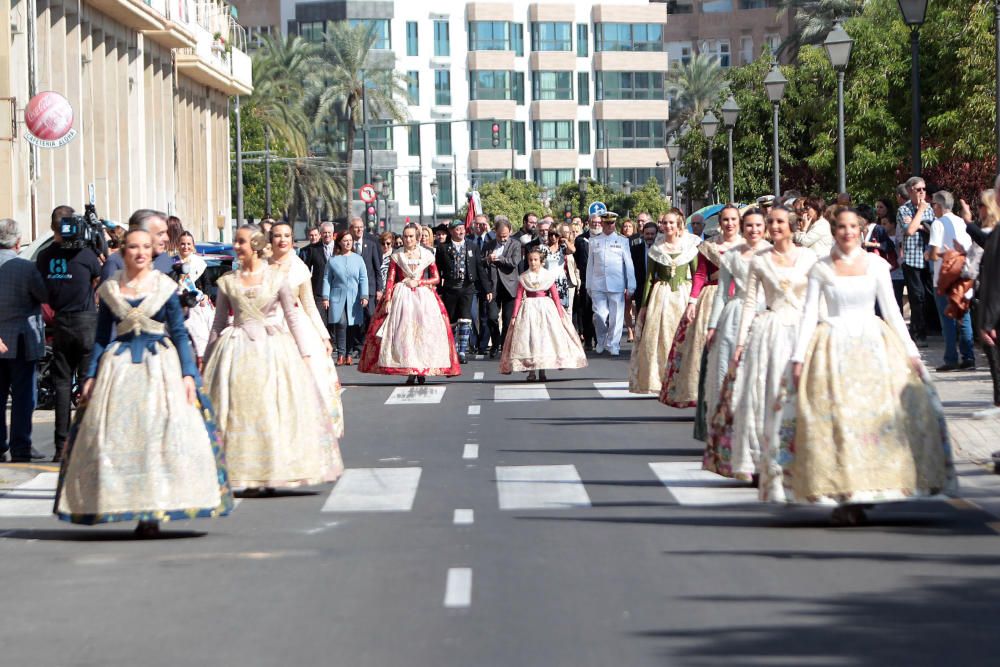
<point>349,74</point>
<point>699,84</point>
<point>812,20</point>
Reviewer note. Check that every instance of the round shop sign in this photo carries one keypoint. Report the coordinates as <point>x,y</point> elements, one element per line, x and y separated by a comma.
<point>48,119</point>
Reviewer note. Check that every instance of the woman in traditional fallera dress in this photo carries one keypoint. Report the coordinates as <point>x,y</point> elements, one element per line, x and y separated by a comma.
<point>683,384</point>
<point>541,335</point>
<point>410,333</point>
<point>865,424</point>
<point>299,279</point>
<point>276,428</point>
<point>765,349</point>
<point>144,447</point>
<point>723,385</point>
<point>671,265</point>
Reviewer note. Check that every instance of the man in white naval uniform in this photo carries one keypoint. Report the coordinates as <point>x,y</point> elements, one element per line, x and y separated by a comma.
<point>610,277</point>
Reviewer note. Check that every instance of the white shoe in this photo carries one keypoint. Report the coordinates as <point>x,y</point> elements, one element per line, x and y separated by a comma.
<point>988,413</point>
<point>614,353</point>
<point>599,349</point>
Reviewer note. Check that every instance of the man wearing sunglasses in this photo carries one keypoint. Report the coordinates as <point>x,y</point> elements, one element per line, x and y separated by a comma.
<point>915,218</point>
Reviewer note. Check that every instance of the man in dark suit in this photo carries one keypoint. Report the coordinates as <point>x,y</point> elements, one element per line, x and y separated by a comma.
<point>640,250</point>
<point>315,256</point>
<point>463,274</point>
<point>367,248</point>
<point>502,256</point>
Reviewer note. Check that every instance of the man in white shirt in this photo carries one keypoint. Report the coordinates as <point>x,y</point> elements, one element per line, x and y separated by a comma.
<point>610,277</point>
<point>948,233</point>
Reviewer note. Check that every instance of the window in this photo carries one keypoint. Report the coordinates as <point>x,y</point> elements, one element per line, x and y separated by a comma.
<point>446,191</point>
<point>583,88</point>
<point>442,139</point>
<point>630,85</point>
<point>415,188</point>
<point>519,143</point>
<point>312,31</point>
<point>583,129</point>
<point>411,38</point>
<point>442,87</point>
<point>381,29</point>
<point>680,7</point>
<point>548,134</point>
<point>490,85</point>
<point>442,42</point>
<point>481,134</point>
<point>638,177</point>
<point>551,85</point>
<point>489,36</point>
<point>519,87</point>
<point>629,37</point>
<point>686,55</point>
<point>716,6</point>
<point>746,50</point>
<point>773,41</point>
<point>379,139</point>
<point>480,176</point>
<point>550,36</point>
<point>630,134</point>
<point>756,4</point>
<point>413,140</point>
<point>584,173</point>
<point>717,49</point>
<point>413,87</point>
<point>552,178</point>
<point>517,38</point>
<point>582,42</point>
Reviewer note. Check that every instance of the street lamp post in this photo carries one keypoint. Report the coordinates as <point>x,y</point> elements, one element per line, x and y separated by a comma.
<point>838,47</point>
<point>710,125</point>
<point>434,202</point>
<point>582,185</point>
<point>385,198</point>
<point>674,153</point>
<point>774,84</point>
<point>730,112</point>
<point>377,184</point>
<point>627,191</point>
<point>664,165</point>
<point>914,13</point>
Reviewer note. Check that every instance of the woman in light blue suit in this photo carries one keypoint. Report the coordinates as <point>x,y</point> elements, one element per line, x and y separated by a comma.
<point>345,293</point>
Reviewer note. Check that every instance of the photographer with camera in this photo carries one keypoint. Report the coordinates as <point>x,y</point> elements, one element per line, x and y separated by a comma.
<point>70,269</point>
<point>154,222</point>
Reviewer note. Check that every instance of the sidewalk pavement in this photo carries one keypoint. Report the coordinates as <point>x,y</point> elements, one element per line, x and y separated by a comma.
<point>962,394</point>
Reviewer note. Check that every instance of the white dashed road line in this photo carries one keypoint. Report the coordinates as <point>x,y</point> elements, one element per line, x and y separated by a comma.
<point>458,590</point>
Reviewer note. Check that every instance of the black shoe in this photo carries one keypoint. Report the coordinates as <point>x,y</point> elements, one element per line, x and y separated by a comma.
<point>37,455</point>
<point>3,455</point>
<point>968,365</point>
<point>411,379</point>
<point>20,459</point>
<point>947,367</point>
<point>58,456</point>
<point>421,379</point>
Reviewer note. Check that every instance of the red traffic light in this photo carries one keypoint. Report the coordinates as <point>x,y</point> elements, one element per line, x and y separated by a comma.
<point>496,127</point>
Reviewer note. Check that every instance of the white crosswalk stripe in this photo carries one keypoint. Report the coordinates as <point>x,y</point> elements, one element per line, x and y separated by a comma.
<point>617,390</point>
<point>540,487</point>
<point>374,490</point>
<point>32,498</point>
<point>520,392</point>
<point>415,395</point>
<point>690,485</point>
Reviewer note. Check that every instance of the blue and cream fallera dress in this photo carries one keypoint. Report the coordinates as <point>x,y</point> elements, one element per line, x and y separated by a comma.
<point>139,450</point>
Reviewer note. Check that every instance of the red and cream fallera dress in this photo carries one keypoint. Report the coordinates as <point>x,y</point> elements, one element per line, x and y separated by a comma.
<point>410,333</point>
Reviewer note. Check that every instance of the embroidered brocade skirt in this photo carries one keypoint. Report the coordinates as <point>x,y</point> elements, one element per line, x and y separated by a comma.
<point>864,425</point>
<point>664,312</point>
<point>273,417</point>
<point>540,339</point>
<point>682,373</point>
<point>139,450</point>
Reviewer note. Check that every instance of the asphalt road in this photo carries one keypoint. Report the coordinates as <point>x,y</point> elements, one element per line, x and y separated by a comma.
<point>577,552</point>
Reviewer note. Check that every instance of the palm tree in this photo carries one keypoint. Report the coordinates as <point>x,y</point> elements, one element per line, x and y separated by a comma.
<point>813,20</point>
<point>310,181</point>
<point>698,85</point>
<point>348,74</point>
<point>283,69</point>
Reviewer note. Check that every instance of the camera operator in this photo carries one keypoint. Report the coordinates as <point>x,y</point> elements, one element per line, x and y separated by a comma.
<point>154,222</point>
<point>70,275</point>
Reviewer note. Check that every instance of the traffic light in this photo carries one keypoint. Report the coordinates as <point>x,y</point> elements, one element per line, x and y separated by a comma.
<point>496,134</point>
<point>372,216</point>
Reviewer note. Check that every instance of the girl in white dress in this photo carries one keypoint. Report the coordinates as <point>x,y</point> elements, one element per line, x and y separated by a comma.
<point>199,316</point>
<point>541,335</point>
<point>865,425</point>
<point>299,279</point>
<point>723,386</point>
<point>764,350</point>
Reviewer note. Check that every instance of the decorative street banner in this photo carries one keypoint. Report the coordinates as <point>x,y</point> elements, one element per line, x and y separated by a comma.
<point>48,119</point>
